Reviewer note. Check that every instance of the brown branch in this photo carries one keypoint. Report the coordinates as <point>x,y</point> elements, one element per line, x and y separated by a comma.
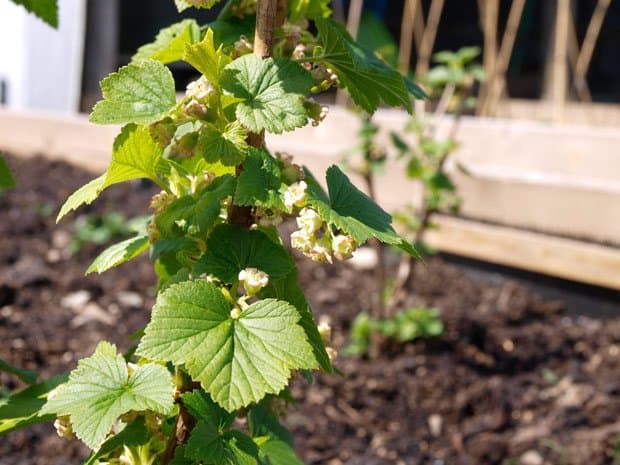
<point>265,27</point>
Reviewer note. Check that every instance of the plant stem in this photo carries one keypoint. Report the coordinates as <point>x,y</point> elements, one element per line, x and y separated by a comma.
<point>266,15</point>
<point>185,422</point>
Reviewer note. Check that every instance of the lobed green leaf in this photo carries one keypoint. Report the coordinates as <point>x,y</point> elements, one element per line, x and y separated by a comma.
<point>100,389</point>
<point>353,212</point>
<point>260,181</point>
<point>368,79</point>
<point>271,92</point>
<point>141,92</point>
<point>170,43</point>
<point>237,361</point>
<point>223,144</point>
<point>208,59</point>
<point>232,248</point>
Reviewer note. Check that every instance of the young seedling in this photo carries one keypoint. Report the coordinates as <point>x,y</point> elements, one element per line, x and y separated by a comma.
<point>231,324</point>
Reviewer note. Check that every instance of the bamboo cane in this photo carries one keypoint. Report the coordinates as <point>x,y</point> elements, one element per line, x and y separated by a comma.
<point>589,43</point>
<point>505,53</point>
<point>560,68</point>
<point>489,11</point>
<point>410,11</point>
<point>428,39</point>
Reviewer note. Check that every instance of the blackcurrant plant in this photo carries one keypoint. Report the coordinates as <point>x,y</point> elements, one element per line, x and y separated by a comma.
<point>230,325</point>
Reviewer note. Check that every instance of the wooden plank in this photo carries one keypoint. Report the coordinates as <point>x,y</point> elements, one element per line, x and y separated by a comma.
<point>561,179</point>
<point>70,138</point>
<point>566,258</point>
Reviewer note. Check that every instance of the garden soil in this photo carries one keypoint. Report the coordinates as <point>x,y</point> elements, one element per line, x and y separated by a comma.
<point>512,380</point>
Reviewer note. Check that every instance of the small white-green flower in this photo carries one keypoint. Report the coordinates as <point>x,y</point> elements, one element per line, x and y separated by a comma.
<point>320,251</point>
<point>295,195</point>
<point>309,220</point>
<point>343,246</point>
<point>199,89</point>
<point>302,240</point>
<point>253,280</point>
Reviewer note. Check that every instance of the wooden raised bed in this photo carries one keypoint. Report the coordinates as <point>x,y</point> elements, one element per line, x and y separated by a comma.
<point>544,198</point>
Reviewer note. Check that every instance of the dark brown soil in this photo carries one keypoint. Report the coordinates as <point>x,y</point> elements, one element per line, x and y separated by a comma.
<point>512,380</point>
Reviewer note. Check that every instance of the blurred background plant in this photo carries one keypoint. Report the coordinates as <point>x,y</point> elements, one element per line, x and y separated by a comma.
<point>99,230</point>
<point>423,148</point>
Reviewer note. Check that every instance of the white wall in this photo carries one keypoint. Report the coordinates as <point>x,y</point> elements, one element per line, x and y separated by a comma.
<point>42,67</point>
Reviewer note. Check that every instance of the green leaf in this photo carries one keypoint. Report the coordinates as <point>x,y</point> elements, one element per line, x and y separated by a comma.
<point>207,59</point>
<point>196,214</point>
<point>135,155</point>
<point>141,92</point>
<point>133,434</point>
<point>170,43</point>
<point>262,422</point>
<point>26,376</point>
<point>6,177</point>
<point>308,9</point>
<point>47,10</point>
<point>84,195</point>
<point>287,289</point>
<point>375,36</point>
<point>353,212</point>
<point>100,389</point>
<point>202,407</point>
<point>271,92</point>
<point>226,144</point>
<point>232,248</point>
<point>279,452</point>
<point>368,79</point>
<point>260,181</point>
<point>118,254</point>
<point>185,4</point>
<point>207,445</point>
<point>22,409</point>
<point>228,30</point>
<point>237,361</point>
<point>274,440</point>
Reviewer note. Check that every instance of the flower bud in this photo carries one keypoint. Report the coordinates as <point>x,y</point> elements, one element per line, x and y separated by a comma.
<point>325,329</point>
<point>160,201</point>
<point>295,195</point>
<point>343,246</point>
<point>243,47</point>
<point>268,217</point>
<point>299,52</point>
<point>331,353</point>
<point>63,427</point>
<point>309,220</point>
<point>253,280</point>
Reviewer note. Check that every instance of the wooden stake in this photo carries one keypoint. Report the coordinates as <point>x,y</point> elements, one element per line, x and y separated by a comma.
<point>560,69</point>
<point>428,39</point>
<point>589,43</point>
<point>410,11</point>
<point>489,12</point>
<point>498,80</point>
